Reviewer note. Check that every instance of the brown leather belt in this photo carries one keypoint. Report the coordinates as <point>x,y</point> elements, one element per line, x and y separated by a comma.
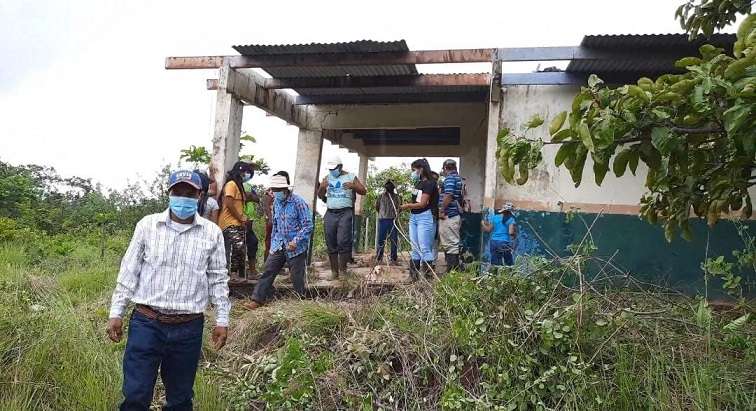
<point>150,313</point>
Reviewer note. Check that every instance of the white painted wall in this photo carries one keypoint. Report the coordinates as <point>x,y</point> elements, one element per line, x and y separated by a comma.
<point>549,185</point>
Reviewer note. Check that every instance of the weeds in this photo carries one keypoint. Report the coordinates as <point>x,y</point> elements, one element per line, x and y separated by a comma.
<point>521,338</point>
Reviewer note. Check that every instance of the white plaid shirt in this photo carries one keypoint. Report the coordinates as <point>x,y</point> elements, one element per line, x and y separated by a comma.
<point>174,270</point>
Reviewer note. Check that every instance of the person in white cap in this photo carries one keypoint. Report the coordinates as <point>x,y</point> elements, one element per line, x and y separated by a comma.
<point>339,188</point>
<point>292,229</point>
<point>503,228</point>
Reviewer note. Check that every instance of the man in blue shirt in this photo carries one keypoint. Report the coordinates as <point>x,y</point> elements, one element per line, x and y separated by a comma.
<point>292,229</point>
<point>449,219</point>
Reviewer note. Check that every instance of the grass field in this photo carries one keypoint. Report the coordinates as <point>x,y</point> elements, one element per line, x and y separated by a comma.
<point>519,339</point>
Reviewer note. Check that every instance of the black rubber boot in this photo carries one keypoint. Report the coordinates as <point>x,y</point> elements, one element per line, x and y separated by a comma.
<point>428,269</point>
<point>333,259</point>
<point>452,262</point>
<point>343,261</point>
<point>414,270</point>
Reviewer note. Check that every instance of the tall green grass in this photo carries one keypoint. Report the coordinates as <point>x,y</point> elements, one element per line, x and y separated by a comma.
<point>54,354</point>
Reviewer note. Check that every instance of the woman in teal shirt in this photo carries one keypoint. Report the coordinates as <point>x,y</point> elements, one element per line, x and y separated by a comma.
<point>503,229</point>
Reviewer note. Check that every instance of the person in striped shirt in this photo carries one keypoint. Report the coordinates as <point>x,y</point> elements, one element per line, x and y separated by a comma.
<point>292,230</point>
<point>174,265</point>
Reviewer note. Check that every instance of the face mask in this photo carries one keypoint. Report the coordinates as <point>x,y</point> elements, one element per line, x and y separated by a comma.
<point>246,177</point>
<point>415,176</point>
<point>335,172</point>
<point>279,195</point>
<point>182,207</point>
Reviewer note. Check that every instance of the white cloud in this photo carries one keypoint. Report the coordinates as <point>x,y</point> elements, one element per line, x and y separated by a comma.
<point>88,94</point>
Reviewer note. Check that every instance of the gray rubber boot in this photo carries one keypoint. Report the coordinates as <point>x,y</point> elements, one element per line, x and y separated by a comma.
<point>333,259</point>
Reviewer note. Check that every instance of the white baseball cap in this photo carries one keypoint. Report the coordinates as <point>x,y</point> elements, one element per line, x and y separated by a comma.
<point>334,162</point>
<point>506,207</point>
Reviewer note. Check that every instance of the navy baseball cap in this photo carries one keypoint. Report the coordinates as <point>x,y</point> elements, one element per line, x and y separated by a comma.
<point>185,176</point>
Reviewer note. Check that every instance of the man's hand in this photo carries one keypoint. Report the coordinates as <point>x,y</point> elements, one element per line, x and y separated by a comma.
<point>115,329</point>
<point>349,185</point>
<point>292,245</point>
<point>442,215</point>
<point>219,337</point>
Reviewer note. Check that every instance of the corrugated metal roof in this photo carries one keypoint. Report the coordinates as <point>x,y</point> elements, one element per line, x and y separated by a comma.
<point>674,41</point>
<point>361,46</point>
<point>632,45</point>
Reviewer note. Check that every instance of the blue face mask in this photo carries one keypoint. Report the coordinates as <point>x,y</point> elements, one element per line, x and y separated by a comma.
<point>335,172</point>
<point>246,177</point>
<point>182,207</point>
<point>280,195</point>
<point>415,176</point>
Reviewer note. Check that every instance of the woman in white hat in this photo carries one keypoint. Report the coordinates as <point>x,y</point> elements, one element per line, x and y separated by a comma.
<point>503,228</point>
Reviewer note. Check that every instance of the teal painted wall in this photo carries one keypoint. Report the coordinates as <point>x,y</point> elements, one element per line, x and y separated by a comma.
<point>641,248</point>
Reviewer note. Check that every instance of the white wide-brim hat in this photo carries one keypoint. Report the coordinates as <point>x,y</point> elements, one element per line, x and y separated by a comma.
<point>279,182</point>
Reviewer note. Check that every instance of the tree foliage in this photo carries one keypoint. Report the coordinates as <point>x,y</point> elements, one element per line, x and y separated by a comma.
<point>695,131</point>
<point>200,156</point>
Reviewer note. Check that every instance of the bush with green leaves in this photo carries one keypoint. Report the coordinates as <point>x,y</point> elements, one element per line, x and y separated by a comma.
<point>693,130</point>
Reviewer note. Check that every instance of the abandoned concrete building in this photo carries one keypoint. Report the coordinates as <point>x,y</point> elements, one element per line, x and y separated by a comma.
<point>369,97</point>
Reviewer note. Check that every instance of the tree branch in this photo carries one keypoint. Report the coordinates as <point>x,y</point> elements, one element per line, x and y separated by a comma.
<point>705,130</point>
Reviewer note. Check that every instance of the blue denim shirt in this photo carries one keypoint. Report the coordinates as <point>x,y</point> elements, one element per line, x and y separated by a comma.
<point>292,220</point>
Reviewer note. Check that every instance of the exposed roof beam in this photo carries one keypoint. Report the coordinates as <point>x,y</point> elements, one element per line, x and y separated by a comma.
<point>334,59</point>
<point>565,78</point>
<point>249,88</point>
<point>578,53</point>
<point>386,98</point>
<point>419,80</point>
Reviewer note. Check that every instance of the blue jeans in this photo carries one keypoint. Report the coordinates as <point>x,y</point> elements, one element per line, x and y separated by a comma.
<point>422,231</point>
<point>501,253</point>
<point>174,349</point>
<point>386,230</point>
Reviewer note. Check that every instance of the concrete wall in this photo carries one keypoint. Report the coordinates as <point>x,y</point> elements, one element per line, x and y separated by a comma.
<point>470,117</point>
<point>550,188</point>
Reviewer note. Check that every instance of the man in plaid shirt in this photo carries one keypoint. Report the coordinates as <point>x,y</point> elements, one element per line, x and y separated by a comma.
<point>175,265</point>
<point>292,229</point>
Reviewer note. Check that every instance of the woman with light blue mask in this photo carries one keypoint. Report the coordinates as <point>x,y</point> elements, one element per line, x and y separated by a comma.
<point>422,225</point>
<point>338,188</point>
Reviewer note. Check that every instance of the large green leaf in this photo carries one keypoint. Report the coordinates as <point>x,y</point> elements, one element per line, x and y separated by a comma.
<point>620,162</point>
<point>585,135</point>
<point>557,122</point>
<point>565,151</point>
<point>663,139</point>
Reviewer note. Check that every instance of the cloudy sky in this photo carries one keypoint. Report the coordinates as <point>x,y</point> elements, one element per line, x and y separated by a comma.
<point>83,86</point>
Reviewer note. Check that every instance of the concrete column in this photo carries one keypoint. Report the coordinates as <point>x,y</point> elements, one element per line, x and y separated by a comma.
<point>228,120</point>
<point>494,110</point>
<point>362,175</point>
<point>307,166</point>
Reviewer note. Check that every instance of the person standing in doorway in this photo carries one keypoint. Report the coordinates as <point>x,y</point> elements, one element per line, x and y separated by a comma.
<point>232,220</point>
<point>503,228</point>
<point>174,264</point>
<point>387,208</point>
<point>449,214</point>
<point>421,225</point>
<point>339,188</point>
<point>292,230</point>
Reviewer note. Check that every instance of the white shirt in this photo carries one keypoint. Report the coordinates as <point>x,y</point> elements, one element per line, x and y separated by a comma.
<point>174,268</point>
<point>210,206</point>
